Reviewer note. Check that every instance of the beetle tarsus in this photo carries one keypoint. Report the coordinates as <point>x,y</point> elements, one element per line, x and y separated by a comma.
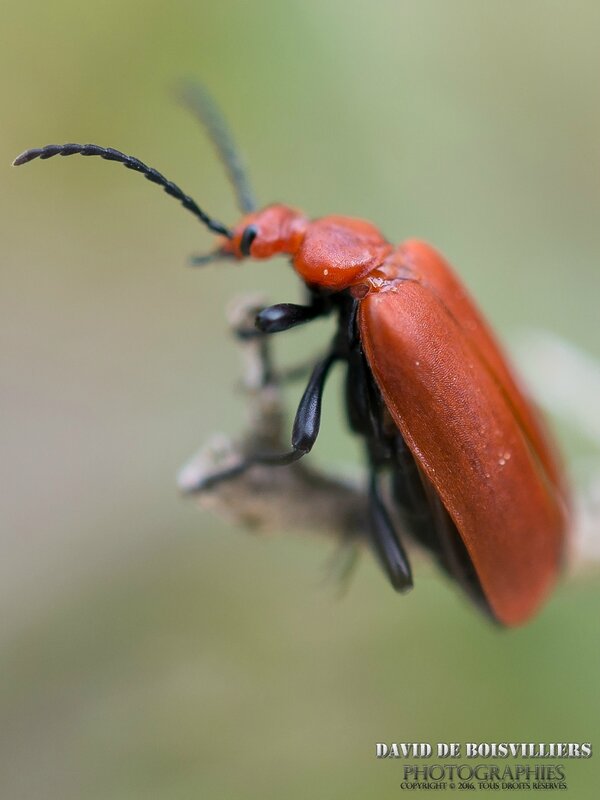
<point>264,459</point>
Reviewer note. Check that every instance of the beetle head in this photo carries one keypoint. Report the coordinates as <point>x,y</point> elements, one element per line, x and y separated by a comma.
<point>262,234</point>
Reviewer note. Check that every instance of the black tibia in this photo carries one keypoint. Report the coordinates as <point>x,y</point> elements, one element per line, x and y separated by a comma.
<point>305,431</point>
<point>308,416</point>
<point>283,316</point>
<point>385,540</point>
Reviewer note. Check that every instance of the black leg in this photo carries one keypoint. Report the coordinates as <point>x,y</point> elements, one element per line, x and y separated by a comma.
<point>365,416</point>
<point>410,496</point>
<point>308,417</point>
<point>364,410</point>
<point>386,542</point>
<point>304,433</point>
<point>283,316</point>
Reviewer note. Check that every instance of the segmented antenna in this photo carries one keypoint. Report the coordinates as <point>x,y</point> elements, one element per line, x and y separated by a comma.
<point>209,258</point>
<point>108,153</point>
<point>198,100</point>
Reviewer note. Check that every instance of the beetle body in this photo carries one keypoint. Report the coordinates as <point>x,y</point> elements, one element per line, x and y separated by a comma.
<point>472,473</point>
<point>480,449</point>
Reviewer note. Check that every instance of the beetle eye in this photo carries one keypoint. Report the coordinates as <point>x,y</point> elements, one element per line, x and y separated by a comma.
<point>248,236</point>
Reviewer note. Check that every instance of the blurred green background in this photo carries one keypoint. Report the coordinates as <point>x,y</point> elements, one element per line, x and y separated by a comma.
<point>148,650</point>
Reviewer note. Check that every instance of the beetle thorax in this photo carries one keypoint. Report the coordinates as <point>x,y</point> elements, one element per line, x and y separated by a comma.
<point>336,252</point>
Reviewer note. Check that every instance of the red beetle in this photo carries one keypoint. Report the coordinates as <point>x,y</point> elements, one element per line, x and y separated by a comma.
<point>473,475</point>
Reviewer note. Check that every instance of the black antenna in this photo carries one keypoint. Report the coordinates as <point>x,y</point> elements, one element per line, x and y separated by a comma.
<point>199,101</point>
<point>209,258</point>
<point>51,150</point>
